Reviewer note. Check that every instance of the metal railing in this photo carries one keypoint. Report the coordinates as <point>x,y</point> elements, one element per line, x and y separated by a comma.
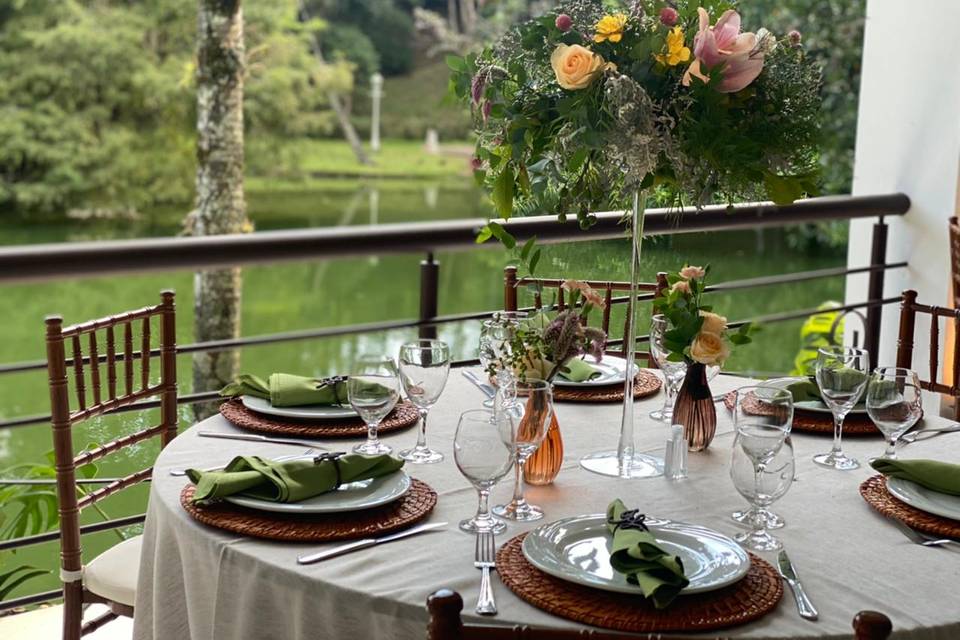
<point>85,259</point>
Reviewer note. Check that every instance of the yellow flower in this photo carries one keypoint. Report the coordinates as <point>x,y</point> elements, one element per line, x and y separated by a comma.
<point>610,28</point>
<point>676,51</point>
<point>576,67</point>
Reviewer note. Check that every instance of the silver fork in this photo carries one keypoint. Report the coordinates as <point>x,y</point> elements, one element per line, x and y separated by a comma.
<point>918,537</point>
<point>485,560</point>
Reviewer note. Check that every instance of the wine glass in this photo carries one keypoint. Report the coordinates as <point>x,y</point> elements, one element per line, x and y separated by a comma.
<point>842,376</point>
<point>373,390</point>
<point>535,397</point>
<point>762,412</point>
<point>673,372</point>
<point>761,488</point>
<point>484,450</point>
<point>495,336</point>
<point>424,367</point>
<point>894,403</point>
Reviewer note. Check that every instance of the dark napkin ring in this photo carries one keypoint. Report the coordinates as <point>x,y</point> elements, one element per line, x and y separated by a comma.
<point>334,457</point>
<point>630,519</point>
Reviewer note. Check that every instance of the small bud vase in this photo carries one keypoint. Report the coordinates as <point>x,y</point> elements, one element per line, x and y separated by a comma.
<point>544,465</point>
<point>695,409</point>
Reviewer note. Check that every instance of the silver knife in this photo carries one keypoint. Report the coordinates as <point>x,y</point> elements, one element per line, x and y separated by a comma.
<point>926,434</point>
<point>258,438</point>
<point>789,573</point>
<point>487,389</point>
<point>367,543</point>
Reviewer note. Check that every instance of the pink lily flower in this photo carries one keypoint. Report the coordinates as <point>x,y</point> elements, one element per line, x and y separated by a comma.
<point>723,45</point>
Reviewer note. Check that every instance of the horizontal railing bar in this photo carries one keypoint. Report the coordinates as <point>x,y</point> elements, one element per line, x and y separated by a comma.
<point>802,276</point>
<point>106,525</point>
<point>84,259</point>
<point>52,481</point>
<point>33,598</point>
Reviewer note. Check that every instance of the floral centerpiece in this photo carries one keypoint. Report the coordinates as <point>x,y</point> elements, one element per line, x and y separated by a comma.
<point>598,102</point>
<point>700,338</point>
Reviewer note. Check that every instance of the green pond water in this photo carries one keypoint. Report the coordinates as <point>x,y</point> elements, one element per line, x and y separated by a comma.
<point>337,292</point>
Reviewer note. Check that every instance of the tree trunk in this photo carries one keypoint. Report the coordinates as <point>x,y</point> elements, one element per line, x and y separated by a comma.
<point>468,16</point>
<point>452,18</point>
<point>220,202</point>
<point>336,103</point>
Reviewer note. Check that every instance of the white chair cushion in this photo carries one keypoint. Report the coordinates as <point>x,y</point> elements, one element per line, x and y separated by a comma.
<point>113,574</point>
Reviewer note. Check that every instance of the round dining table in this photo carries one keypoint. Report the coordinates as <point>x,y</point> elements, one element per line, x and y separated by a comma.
<point>203,583</point>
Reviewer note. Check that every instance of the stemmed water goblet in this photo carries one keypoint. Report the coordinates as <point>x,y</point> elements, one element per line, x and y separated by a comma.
<point>535,398</point>
<point>484,450</point>
<point>757,410</point>
<point>673,372</point>
<point>373,391</point>
<point>841,374</point>
<point>494,348</point>
<point>424,367</point>
<point>761,488</point>
<point>894,403</point>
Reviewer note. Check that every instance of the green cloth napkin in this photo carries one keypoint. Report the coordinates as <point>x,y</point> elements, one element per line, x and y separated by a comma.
<point>932,474</point>
<point>579,370</point>
<point>807,389</point>
<point>290,480</point>
<point>287,390</point>
<point>636,554</point>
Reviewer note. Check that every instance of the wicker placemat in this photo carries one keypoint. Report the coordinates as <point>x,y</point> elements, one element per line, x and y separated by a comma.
<point>645,384</point>
<point>403,415</point>
<point>813,421</point>
<point>874,491</point>
<point>750,598</point>
<point>415,505</point>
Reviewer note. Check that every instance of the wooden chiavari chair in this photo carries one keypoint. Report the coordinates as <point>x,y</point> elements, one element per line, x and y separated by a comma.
<point>111,577</point>
<point>445,605</point>
<point>909,308</point>
<point>511,283</point>
<point>954,226</point>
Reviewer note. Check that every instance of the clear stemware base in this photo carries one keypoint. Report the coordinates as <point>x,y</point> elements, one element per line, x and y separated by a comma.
<point>607,463</point>
<point>474,525</point>
<point>745,517</point>
<point>662,415</point>
<point>836,460</point>
<point>758,541</point>
<point>421,455</point>
<point>519,511</point>
<point>372,448</point>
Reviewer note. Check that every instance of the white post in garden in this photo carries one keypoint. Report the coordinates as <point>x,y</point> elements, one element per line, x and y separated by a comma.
<point>376,93</point>
<point>908,139</point>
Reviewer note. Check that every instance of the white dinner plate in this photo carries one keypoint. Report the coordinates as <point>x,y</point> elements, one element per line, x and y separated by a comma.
<point>612,371</point>
<point>354,496</point>
<point>308,412</point>
<point>810,405</point>
<point>940,504</point>
<point>578,550</point>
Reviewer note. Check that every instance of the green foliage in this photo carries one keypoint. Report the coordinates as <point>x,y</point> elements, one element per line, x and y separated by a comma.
<point>348,42</point>
<point>387,26</point>
<point>12,579</point>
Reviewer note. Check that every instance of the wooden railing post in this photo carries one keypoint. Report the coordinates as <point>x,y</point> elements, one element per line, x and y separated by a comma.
<point>429,295</point>
<point>878,256</point>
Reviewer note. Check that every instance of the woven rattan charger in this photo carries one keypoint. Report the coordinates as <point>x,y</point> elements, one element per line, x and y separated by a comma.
<point>750,598</point>
<point>645,384</point>
<point>416,504</point>
<point>403,415</point>
<point>874,491</point>
<point>858,424</point>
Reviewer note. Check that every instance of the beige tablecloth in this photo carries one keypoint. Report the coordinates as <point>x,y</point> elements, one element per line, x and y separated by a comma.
<point>202,583</point>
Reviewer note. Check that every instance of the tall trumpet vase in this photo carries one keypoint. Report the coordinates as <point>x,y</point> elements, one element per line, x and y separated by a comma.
<point>625,462</point>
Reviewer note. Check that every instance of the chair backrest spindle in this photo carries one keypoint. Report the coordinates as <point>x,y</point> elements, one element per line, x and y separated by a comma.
<point>909,308</point>
<point>145,353</point>
<point>94,367</point>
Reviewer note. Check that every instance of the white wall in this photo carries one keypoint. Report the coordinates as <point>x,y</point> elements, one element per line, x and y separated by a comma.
<point>908,139</point>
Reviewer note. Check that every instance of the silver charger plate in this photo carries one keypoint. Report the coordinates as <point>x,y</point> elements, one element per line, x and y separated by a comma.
<point>306,412</point>
<point>919,497</point>
<point>578,550</point>
<point>354,496</point>
<point>810,405</point>
<point>612,371</point>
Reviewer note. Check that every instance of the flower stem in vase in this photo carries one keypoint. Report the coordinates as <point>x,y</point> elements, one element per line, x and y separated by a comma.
<point>695,409</point>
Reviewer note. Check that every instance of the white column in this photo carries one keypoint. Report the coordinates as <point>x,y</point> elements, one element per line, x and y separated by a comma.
<point>908,140</point>
<point>376,93</point>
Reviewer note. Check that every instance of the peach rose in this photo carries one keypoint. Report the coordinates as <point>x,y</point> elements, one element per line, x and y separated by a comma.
<point>589,295</point>
<point>691,272</point>
<point>709,349</point>
<point>682,286</point>
<point>575,66</point>
<point>713,323</point>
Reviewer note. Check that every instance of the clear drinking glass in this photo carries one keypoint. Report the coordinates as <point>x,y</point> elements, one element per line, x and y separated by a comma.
<point>761,487</point>
<point>842,377</point>
<point>762,412</point>
<point>424,367</point>
<point>673,372</point>
<point>484,451</point>
<point>495,336</point>
<point>894,403</point>
<point>373,390</point>
<point>535,397</point>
